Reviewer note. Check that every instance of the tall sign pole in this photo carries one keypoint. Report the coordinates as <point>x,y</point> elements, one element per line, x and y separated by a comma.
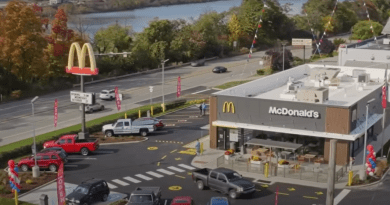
<point>302,42</point>
<point>384,105</point>
<point>61,194</point>
<point>82,70</point>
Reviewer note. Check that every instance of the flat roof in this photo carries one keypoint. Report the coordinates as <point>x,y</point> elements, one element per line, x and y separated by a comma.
<point>274,144</point>
<point>367,64</point>
<point>346,94</point>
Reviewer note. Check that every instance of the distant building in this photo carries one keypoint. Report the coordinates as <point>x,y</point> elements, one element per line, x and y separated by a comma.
<point>54,2</point>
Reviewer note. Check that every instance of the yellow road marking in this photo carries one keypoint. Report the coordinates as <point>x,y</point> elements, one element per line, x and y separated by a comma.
<point>319,193</point>
<point>264,185</point>
<point>175,188</point>
<point>310,197</point>
<point>291,189</point>
<point>177,158</point>
<point>189,173</point>
<point>180,176</point>
<point>152,148</point>
<point>158,163</point>
<point>174,151</point>
<point>164,157</point>
<point>283,193</point>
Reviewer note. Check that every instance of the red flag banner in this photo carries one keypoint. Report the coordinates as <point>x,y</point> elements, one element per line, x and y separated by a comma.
<point>55,112</point>
<point>178,87</point>
<point>118,100</point>
<point>61,194</point>
<point>384,101</point>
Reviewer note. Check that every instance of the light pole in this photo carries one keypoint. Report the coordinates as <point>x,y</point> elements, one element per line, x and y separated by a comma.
<point>365,137</point>
<point>163,100</point>
<point>35,169</point>
<point>284,44</point>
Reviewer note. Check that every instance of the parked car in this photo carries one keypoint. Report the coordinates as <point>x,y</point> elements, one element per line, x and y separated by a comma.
<point>94,107</point>
<point>88,192</point>
<point>224,180</point>
<point>182,200</point>
<point>61,152</point>
<point>45,160</point>
<point>145,196</point>
<point>218,201</point>
<point>107,94</point>
<point>72,144</point>
<point>200,62</point>
<point>127,126</point>
<point>150,120</point>
<point>219,69</point>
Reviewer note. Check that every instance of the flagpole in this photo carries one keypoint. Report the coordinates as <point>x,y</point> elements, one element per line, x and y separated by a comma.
<point>384,102</point>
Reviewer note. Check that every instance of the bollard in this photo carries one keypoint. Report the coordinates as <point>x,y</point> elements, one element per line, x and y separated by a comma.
<point>43,200</point>
<point>125,115</point>
<point>139,113</point>
<point>266,170</point>
<point>151,109</point>
<point>163,107</point>
<point>148,113</point>
<point>201,148</point>
<point>350,176</point>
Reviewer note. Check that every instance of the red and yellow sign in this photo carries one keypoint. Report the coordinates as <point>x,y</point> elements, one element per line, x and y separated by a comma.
<point>55,112</point>
<point>81,54</point>
<point>228,107</point>
<point>61,194</point>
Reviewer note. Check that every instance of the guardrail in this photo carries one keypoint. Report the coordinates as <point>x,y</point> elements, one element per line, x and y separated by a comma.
<point>140,73</point>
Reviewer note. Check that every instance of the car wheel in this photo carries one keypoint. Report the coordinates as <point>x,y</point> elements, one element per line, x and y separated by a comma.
<point>200,185</point>
<point>233,194</point>
<point>84,151</point>
<point>24,168</point>
<point>53,168</point>
<point>144,133</point>
<point>111,98</point>
<point>102,108</point>
<point>91,111</point>
<point>220,71</point>
<point>109,133</point>
<point>105,197</point>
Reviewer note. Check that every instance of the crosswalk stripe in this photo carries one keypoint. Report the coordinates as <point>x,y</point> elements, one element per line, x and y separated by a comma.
<point>165,171</point>
<point>155,174</point>
<point>111,186</point>
<point>176,169</point>
<point>132,180</point>
<point>120,182</point>
<point>186,166</point>
<point>143,177</point>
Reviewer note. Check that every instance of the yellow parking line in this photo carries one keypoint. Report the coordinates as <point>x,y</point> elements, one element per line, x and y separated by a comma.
<point>310,197</point>
<point>158,163</point>
<point>164,157</point>
<point>174,151</point>
<point>180,176</point>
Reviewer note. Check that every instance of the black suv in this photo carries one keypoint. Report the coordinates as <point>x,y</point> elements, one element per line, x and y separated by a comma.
<point>88,192</point>
<point>61,152</point>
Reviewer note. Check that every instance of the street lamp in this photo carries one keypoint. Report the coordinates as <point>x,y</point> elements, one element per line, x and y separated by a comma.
<point>35,169</point>
<point>163,100</point>
<point>284,44</point>
<point>365,136</point>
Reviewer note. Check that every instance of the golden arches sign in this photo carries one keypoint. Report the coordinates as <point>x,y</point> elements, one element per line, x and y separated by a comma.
<point>227,107</point>
<point>81,54</point>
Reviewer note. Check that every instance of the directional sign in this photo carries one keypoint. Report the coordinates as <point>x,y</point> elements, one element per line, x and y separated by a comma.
<point>80,97</point>
<point>301,42</point>
<point>291,189</point>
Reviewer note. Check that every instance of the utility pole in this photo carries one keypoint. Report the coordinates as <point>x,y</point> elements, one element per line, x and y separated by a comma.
<point>163,100</point>
<point>35,169</point>
<point>331,172</point>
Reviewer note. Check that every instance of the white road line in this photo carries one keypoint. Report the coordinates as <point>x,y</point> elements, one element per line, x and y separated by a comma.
<point>201,91</point>
<point>143,177</point>
<point>120,182</point>
<point>341,196</point>
<point>111,186</point>
<point>186,166</point>
<point>165,171</point>
<point>155,174</point>
<point>132,180</point>
<point>176,169</point>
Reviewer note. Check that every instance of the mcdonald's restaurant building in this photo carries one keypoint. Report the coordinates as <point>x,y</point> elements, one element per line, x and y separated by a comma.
<point>307,105</point>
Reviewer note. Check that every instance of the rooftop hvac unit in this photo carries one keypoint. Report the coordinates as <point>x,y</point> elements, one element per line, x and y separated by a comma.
<point>294,86</point>
<point>386,41</point>
<point>313,94</point>
<point>328,73</point>
<point>364,78</point>
<point>357,72</point>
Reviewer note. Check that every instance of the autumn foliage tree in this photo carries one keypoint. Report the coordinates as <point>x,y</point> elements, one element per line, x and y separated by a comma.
<point>22,41</point>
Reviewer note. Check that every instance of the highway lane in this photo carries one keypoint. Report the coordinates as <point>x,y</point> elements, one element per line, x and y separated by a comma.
<point>16,120</point>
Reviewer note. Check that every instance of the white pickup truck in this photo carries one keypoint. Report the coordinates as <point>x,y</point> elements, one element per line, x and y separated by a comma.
<point>127,126</point>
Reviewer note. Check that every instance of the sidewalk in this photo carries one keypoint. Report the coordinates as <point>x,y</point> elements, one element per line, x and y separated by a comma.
<point>209,160</point>
<point>51,191</point>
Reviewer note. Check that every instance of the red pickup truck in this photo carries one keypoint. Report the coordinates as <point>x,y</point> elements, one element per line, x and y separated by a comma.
<point>71,144</point>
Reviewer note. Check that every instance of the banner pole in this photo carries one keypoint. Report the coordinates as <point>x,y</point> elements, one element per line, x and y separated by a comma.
<point>304,48</point>
<point>16,197</point>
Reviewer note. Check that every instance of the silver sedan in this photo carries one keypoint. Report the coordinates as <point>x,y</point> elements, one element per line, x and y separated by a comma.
<point>95,107</point>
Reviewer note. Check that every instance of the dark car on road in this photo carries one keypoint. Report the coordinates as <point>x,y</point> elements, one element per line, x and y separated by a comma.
<point>88,192</point>
<point>224,180</point>
<point>61,152</point>
<point>145,196</point>
<point>219,69</point>
<point>218,201</point>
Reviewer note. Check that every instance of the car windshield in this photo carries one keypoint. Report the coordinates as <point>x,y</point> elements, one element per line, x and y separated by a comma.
<point>81,189</point>
<point>104,92</point>
<point>233,176</point>
<point>141,199</point>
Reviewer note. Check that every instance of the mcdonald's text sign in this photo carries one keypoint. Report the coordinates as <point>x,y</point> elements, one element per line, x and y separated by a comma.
<point>228,107</point>
<point>81,54</point>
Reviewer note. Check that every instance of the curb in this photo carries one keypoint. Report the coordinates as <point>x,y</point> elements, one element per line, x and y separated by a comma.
<point>141,73</point>
<point>32,190</point>
<point>367,185</point>
<point>195,140</point>
<point>114,143</point>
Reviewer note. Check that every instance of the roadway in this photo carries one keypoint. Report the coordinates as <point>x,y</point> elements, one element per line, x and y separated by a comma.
<point>16,121</point>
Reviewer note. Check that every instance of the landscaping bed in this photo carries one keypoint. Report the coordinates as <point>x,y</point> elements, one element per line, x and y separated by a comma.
<point>103,139</point>
<point>5,189</point>
<point>356,181</point>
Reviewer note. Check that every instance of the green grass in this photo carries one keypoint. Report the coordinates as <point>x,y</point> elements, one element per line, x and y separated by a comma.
<point>45,137</point>
<point>232,84</point>
<point>5,201</point>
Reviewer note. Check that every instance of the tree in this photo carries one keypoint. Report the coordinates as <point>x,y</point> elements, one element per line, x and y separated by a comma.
<point>187,44</point>
<point>115,38</point>
<point>234,28</point>
<point>360,10</point>
<point>383,7</point>
<point>277,59</point>
<point>325,47</point>
<point>362,30</point>
<point>328,24</point>
<point>22,42</point>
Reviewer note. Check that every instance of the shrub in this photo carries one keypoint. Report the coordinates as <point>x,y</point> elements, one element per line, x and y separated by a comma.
<point>4,190</point>
<point>268,71</point>
<point>260,72</point>
<point>326,47</point>
<point>277,59</point>
<point>338,41</point>
<point>29,181</point>
<point>244,50</point>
